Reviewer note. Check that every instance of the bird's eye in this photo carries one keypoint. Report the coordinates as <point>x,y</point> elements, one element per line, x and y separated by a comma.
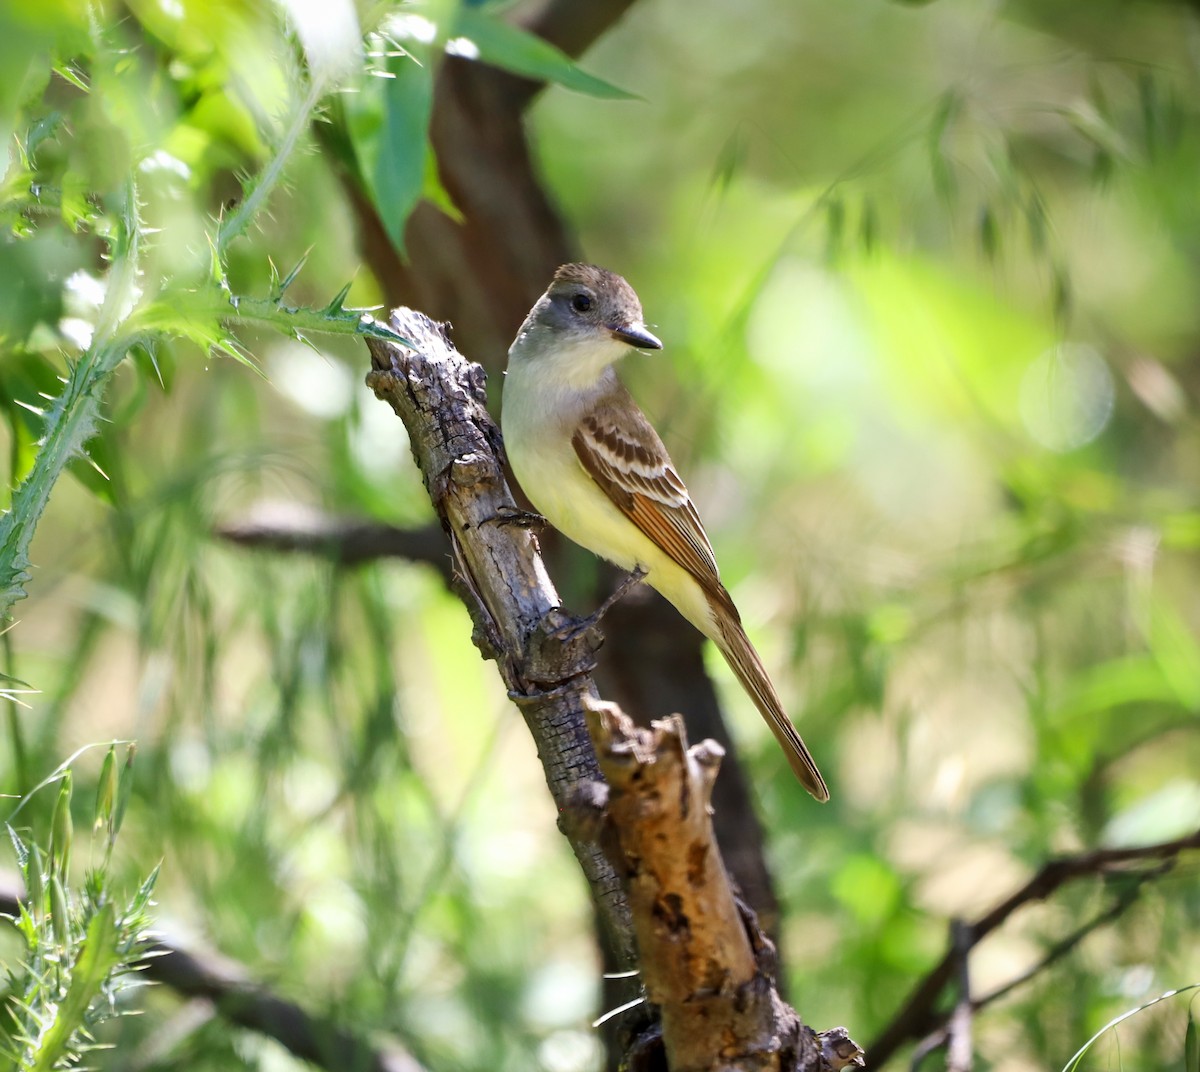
<point>581,303</point>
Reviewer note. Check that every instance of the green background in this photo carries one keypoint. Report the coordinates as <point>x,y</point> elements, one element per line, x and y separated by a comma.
<point>927,280</point>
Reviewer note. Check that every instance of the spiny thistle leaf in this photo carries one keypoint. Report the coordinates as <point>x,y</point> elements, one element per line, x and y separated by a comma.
<point>281,285</point>
<point>68,74</point>
<point>19,847</point>
<point>96,959</point>
<point>259,188</point>
<point>141,900</point>
<point>70,423</point>
<point>335,306</point>
<point>71,420</point>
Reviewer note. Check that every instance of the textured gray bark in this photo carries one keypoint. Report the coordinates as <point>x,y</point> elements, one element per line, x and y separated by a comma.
<point>500,575</point>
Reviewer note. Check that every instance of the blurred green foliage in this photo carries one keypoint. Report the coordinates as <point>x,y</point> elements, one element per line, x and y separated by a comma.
<point>927,276</point>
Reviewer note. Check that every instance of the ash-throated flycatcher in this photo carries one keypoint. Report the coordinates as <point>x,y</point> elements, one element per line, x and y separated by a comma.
<point>594,467</point>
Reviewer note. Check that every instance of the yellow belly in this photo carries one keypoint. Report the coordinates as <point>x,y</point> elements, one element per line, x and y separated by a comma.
<point>562,491</point>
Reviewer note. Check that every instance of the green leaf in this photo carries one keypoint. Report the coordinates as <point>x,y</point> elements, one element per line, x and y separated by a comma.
<point>513,49</point>
<point>19,847</point>
<point>434,192</point>
<point>1128,679</point>
<point>835,225</point>
<point>279,286</point>
<point>28,377</point>
<point>197,316</point>
<point>96,959</point>
<point>62,827</point>
<point>944,116</point>
<point>106,788</point>
<point>40,130</point>
<point>868,226</point>
<point>989,233</point>
<point>125,790</point>
<point>1176,652</point>
<point>155,363</point>
<point>141,900</point>
<point>388,122</point>
<point>868,887</point>
<point>730,161</point>
<point>75,207</point>
<point>1035,218</point>
<point>68,74</point>
<point>335,306</point>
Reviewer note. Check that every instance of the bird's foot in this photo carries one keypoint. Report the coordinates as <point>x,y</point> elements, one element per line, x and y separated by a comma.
<point>522,519</point>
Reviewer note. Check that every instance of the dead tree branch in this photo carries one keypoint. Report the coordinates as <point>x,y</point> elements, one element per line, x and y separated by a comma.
<point>704,962</point>
<point>482,274</point>
<point>499,573</point>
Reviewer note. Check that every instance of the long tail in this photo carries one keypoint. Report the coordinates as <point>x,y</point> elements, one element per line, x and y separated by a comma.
<point>743,660</point>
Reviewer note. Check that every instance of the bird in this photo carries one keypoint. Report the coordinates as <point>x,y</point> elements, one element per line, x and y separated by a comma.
<point>594,467</point>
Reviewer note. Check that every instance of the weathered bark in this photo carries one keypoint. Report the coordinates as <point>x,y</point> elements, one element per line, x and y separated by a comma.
<point>499,573</point>
<point>705,963</point>
<point>653,665</point>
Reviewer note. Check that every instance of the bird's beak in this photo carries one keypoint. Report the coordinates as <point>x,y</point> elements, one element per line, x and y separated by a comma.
<point>635,335</point>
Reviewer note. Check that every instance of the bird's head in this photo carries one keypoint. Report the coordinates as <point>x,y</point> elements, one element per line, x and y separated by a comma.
<point>588,319</point>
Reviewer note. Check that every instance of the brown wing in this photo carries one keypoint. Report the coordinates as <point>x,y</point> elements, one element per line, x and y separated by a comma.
<point>623,454</point>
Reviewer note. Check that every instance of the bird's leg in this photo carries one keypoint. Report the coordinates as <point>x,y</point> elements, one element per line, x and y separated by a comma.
<point>582,625</point>
<point>633,578</point>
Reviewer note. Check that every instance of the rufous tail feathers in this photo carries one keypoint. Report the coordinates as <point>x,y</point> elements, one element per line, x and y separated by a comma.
<point>743,660</point>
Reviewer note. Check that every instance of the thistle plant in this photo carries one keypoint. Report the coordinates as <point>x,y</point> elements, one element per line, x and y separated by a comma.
<point>135,316</point>
<point>82,943</point>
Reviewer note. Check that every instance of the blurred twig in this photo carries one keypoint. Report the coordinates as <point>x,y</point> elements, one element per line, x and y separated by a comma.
<point>1061,948</point>
<point>919,1017</point>
<point>293,527</point>
<point>946,1034</point>
<point>959,1054</point>
<point>229,987</point>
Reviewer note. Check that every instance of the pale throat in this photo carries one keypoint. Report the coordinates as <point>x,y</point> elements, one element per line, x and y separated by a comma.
<point>575,360</point>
